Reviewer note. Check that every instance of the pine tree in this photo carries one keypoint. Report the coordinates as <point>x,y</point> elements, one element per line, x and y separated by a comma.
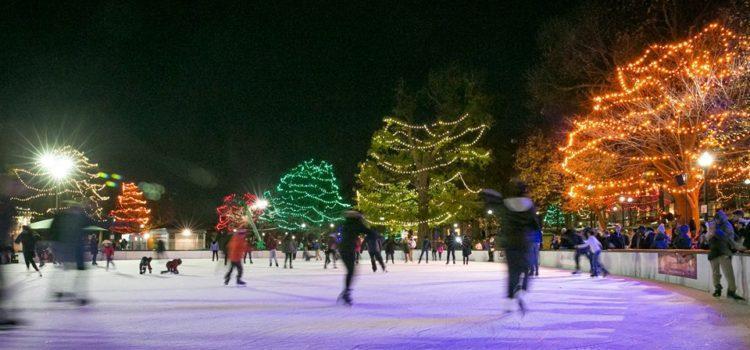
<point>306,197</point>
<point>554,217</point>
<point>131,215</point>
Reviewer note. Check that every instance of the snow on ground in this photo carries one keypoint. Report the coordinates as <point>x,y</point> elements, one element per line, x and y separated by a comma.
<point>412,306</point>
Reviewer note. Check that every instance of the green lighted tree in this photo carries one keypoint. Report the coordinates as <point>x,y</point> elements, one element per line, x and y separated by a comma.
<point>554,217</point>
<point>414,175</point>
<point>308,196</point>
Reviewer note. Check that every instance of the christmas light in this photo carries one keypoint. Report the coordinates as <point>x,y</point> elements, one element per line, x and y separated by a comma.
<point>63,173</point>
<point>308,194</point>
<point>131,215</point>
<point>414,174</point>
<point>669,106</point>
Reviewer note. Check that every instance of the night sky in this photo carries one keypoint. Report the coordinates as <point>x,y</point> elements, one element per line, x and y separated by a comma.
<point>208,99</point>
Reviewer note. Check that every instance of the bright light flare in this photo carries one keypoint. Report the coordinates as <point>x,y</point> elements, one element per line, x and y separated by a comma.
<point>187,232</point>
<point>58,166</point>
<point>706,159</point>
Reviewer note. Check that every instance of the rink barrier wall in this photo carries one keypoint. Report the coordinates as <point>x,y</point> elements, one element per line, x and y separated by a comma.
<point>477,255</point>
<point>645,265</point>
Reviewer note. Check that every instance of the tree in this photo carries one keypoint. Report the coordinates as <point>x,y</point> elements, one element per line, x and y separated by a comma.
<point>414,175</point>
<point>62,173</point>
<point>554,216</point>
<point>538,164</point>
<point>670,105</point>
<point>306,197</point>
<point>131,215</point>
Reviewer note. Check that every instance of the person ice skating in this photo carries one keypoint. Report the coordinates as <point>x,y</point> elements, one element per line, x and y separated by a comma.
<point>390,249</point>
<point>721,250</point>
<point>406,246</point>
<point>272,244</point>
<point>536,244</point>
<point>440,249</point>
<point>595,249</point>
<point>290,248</point>
<point>160,249</point>
<point>331,246</point>
<point>236,249</point>
<point>69,239</point>
<point>466,249</point>
<point>249,251</point>
<point>374,247</point>
<point>358,249</point>
<point>93,248</point>
<point>577,240</point>
<point>434,244</point>
<point>426,247</point>
<point>7,221</point>
<point>214,250</point>
<point>144,265</point>
<point>109,253</point>
<point>316,247</point>
<point>353,226</point>
<point>519,222</point>
<point>451,242</point>
<point>28,239</point>
<point>172,266</point>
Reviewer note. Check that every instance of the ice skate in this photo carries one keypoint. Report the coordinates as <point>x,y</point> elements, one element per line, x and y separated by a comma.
<point>717,292</point>
<point>734,296</point>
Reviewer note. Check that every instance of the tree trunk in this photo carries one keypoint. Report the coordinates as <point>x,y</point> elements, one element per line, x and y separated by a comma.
<point>423,209</point>
<point>601,217</point>
<point>687,207</point>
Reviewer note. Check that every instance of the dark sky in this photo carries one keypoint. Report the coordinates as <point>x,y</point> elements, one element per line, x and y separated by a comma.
<point>207,99</point>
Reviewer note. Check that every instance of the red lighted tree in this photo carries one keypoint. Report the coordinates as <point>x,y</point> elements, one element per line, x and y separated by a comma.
<point>131,215</point>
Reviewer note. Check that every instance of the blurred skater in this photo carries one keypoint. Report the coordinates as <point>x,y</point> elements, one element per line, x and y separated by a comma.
<point>331,246</point>
<point>272,244</point>
<point>519,222</point>
<point>109,253</point>
<point>466,249</point>
<point>390,249</point>
<point>93,248</point>
<point>440,249</point>
<point>450,244</point>
<point>27,238</point>
<point>68,236</point>
<point>237,248</point>
<point>290,249</point>
<point>214,250</point>
<point>426,247</point>
<point>249,251</point>
<point>7,221</point>
<point>353,226</point>
<point>374,247</point>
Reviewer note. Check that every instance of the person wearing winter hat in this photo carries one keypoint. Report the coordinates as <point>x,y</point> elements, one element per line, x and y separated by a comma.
<point>721,249</point>
<point>683,240</point>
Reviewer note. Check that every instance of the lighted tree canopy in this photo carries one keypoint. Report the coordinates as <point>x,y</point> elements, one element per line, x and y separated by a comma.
<point>60,174</point>
<point>307,197</point>
<point>669,106</point>
<point>413,176</point>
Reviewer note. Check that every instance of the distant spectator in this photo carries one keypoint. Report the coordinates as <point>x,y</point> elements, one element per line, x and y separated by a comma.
<point>616,240</point>
<point>555,244</point>
<point>683,241</point>
<point>660,240</point>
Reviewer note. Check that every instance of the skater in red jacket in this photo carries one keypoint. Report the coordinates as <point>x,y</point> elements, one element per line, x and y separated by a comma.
<point>109,253</point>
<point>172,266</point>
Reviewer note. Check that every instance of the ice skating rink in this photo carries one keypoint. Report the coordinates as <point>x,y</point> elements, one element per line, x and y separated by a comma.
<point>411,307</point>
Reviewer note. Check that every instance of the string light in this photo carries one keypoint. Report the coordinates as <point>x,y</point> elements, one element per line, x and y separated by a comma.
<point>307,194</point>
<point>669,105</point>
<point>131,215</point>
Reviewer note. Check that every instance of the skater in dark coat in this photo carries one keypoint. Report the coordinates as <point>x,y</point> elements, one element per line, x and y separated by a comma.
<point>519,221</point>
<point>93,248</point>
<point>352,228</point>
<point>172,266</point>
<point>374,245</point>
<point>426,247</point>
<point>28,240</point>
<point>466,249</point>
<point>290,249</point>
<point>145,264</point>
<point>450,246</point>
<point>390,249</point>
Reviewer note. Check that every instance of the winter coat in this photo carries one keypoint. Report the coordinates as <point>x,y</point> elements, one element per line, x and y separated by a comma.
<point>331,242</point>
<point>109,251</point>
<point>350,231</point>
<point>236,248</point>
<point>374,242</point>
<point>390,245</point>
<point>93,245</point>
<point>67,230</point>
<point>290,246</point>
<point>719,245</point>
<point>440,247</point>
<point>272,244</point>
<point>683,241</point>
<point>28,240</point>
<point>648,242</point>
<point>426,244</point>
<point>450,242</point>
<point>172,264</point>
<point>617,241</point>
<point>519,221</point>
<point>214,246</point>
<point>660,241</point>
<point>466,246</point>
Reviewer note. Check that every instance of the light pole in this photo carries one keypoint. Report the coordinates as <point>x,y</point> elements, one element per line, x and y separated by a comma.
<point>705,161</point>
<point>58,167</point>
<point>622,207</point>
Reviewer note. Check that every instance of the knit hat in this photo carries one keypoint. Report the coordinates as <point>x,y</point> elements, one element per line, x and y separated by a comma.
<point>684,229</point>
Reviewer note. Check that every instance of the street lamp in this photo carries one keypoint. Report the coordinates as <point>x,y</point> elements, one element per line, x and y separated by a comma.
<point>622,200</point>
<point>489,212</point>
<point>58,167</point>
<point>705,161</point>
<point>303,225</point>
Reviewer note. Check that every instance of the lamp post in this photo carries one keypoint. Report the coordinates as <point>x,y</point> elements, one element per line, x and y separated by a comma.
<point>58,167</point>
<point>705,161</point>
<point>622,207</point>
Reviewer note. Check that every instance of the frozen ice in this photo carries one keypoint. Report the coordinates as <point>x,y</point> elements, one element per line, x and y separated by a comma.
<point>412,306</point>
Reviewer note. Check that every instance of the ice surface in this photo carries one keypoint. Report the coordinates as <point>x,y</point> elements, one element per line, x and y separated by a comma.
<point>412,306</point>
